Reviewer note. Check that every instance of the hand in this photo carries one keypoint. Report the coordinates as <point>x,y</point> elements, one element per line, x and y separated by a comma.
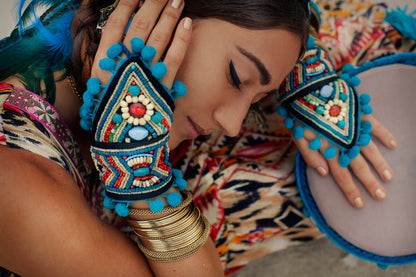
<point>132,120</point>
<point>154,32</point>
<point>359,166</point>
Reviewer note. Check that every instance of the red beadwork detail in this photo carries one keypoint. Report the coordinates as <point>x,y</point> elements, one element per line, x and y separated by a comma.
<point>335,110</point>
<point>133,83</point>
<point>136,166</point>
<point>143,178</point>
<point>165,124</point>
<point>108,132</point>
<point>137,110</point>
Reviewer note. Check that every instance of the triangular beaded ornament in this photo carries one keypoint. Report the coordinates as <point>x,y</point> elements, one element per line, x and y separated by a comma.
<point>317,97</point>
<point>131,126</point>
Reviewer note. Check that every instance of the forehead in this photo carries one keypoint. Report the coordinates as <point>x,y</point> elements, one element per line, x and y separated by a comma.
<point>277,48</point>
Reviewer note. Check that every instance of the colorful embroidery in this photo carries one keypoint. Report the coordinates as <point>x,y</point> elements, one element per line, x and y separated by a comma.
<point>132,130</point>
<point>314,95</point>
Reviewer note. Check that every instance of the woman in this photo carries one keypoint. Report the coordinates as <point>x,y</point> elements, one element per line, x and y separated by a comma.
<point>242,60</point>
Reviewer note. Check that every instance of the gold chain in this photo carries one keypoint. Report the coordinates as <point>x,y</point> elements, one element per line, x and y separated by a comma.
<point>73,85</point>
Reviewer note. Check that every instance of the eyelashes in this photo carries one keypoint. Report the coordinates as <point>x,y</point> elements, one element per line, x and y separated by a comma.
<point>234,76</point>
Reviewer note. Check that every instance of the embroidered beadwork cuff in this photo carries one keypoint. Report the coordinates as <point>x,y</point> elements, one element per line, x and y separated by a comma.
<point>130,125</point>
<point>314,95</point>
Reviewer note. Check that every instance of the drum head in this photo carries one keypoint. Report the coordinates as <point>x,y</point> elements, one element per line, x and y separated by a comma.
<point>383,231</point>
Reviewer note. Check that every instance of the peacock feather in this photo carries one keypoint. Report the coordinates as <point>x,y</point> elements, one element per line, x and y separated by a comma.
<point>39,45</point>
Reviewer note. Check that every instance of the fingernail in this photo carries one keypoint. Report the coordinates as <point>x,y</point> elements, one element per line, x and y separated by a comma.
<point>176,3</point>
<point>393,143</point>
<point>358,202</point>
<point>187,23</point>
<point>380,194</point>
<point>387,175</point>
<point>321,171</point>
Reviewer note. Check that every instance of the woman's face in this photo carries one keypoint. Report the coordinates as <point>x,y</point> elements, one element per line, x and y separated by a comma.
<point>226,69</point>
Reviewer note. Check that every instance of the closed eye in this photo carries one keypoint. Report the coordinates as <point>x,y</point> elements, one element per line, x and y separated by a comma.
<point>234,76</point>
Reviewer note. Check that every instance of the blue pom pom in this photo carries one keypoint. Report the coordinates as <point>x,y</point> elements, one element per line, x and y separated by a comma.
<point>315,144</point>
<point>330,153</point>
<point>366,127</point>
<point>344,160</point>
<point>344,76</point>
<point>354,151</point>
<point>354,81</point>
<point>298,132</point>
<point>367,109</point>
<point>311,42</point>
<point>94,86</point>
<point>117,118</point>
<point>179,89</point>
<point>281,111</point>
<point>174,199</point>
<point>364,139</point>
<point>114,51</point>
<point>365,99</point>
<point>157,118</point>
<point>85,111</point>
<point>109,203</point>
<point>134,90</point>
<point>343,96</point>
<point>88,99</point>
<point>181,183</point>
<point>122,210</point>
<point>159,70</point>
<point>137,44</point>
<point>85,124</point>
<point>383,266</point>
<point>148,53</point>
<point>347,68</point>
<point>289,123</point>
<point>107,64</point>
<point>156,206</point>
<point>177,173</point>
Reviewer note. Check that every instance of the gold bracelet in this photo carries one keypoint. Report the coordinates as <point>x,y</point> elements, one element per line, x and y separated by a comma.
<point>166,210</point>
<point>181,253</point>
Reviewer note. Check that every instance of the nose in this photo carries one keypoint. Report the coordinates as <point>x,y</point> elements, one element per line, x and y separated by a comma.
<point>230,115</point>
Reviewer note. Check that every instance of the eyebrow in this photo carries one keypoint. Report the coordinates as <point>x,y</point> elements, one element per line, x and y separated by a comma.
<point>264,73</point>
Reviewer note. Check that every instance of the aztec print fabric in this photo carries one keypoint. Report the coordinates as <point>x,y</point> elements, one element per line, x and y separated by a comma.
<point>246,188</point>
<point>355,32</point>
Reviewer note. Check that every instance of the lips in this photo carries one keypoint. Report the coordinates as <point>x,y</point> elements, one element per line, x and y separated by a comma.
<point>196,130</point>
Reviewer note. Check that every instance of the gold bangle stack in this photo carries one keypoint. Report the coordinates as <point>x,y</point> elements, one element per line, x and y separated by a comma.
<point>175,236</point>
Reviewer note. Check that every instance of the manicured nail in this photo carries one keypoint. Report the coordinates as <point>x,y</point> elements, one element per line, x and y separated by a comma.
<point>358,202</point>
<point>187,23</point>
<point>393,143</point>
<point>380,194</point>
<point>387,175</point>
<point>321,171</point>
<point>176,3</point>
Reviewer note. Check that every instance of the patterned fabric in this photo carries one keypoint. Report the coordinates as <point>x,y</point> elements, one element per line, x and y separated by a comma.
<point>356,32</point>
<point>246,188</point>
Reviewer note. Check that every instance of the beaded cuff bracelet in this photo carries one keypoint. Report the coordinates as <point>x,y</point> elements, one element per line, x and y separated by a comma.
<point>314,95</point>
<point>130,124</point>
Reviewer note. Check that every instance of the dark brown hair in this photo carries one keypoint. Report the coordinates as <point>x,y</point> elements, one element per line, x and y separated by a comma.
<point>252,14</point>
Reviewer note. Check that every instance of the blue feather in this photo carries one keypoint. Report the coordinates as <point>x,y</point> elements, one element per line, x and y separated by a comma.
<point>403,22</point>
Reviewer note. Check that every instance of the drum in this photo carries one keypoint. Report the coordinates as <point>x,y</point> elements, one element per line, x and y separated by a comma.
<point>383,231</point>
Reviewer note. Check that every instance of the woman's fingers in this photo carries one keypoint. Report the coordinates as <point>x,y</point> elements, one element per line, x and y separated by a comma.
<point>176,53</point>
<point>373,155</point>
<point>144,20</point>
<point>313,158</point>
<point>343,178</point>
<point>381,132</point>
<point>162,33</point>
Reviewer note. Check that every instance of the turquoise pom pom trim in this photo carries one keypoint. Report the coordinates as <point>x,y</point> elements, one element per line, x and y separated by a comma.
<point>130,119</point>
<point>314,95</point>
